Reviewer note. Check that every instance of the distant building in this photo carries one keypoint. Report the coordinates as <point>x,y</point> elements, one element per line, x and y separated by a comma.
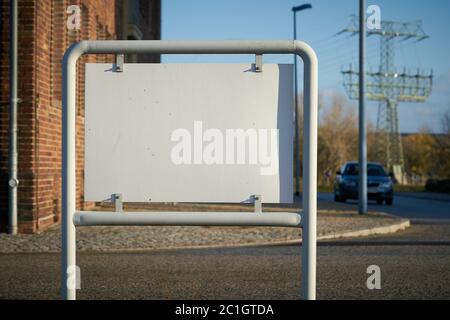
<point>44,35</point>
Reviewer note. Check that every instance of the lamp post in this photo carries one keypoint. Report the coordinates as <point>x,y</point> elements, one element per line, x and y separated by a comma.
<point>297,126</point>
<point>362,203</point>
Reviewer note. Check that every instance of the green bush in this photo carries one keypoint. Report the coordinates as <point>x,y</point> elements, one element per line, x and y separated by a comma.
<point>438,185</point>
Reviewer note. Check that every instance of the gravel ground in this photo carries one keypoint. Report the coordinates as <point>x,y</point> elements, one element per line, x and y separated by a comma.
<point>144,238</point>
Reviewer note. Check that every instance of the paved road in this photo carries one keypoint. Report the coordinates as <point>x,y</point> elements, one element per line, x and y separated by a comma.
<point>414,264</point>
<point>418,210</point>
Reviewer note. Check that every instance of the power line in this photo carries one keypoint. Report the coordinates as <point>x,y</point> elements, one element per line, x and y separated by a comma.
<point>389,87</point>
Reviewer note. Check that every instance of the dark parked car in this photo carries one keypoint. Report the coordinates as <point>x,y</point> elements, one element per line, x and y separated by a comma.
<point>379,184</point>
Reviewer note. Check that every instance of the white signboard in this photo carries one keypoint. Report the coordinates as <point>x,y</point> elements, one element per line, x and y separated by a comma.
<point>189,133</point>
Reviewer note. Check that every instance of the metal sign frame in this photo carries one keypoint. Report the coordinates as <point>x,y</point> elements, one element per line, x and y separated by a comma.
<point>72,218</point>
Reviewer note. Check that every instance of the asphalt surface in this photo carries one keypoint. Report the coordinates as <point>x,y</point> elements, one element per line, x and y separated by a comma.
<point>415,264</point>
<point>416,209</point>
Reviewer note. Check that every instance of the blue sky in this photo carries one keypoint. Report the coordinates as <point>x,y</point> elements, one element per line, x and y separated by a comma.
<point>272,19</point>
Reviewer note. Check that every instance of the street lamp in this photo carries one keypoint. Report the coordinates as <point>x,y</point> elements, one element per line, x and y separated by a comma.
<point>362,179</point>
<point>297,127</point>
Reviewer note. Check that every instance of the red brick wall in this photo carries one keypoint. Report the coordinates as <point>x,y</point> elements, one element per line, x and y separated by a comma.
<point>43,39</point>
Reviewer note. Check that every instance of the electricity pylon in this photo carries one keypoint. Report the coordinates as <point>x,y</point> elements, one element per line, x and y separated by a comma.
<point>390,87</point>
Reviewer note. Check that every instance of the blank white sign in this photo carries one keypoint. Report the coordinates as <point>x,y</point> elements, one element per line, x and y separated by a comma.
<point>134,120</point>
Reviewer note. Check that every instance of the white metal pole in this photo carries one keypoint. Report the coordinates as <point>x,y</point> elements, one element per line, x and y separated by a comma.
<point>192,47</point>
<point>68,236</point>
<point>13,154</point>
<point>310,119</point>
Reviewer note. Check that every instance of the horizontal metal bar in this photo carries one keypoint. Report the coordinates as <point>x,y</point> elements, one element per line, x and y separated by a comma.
<point>265,219</point>
<point>190,47</point>
<point>187,47</point>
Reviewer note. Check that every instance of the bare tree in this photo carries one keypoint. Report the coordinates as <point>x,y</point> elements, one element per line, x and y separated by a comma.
<point>338,135</point>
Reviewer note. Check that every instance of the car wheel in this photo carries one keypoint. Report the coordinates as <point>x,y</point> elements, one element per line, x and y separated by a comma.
<point>342,199</point>
<point>389,202</point>
<point>336,198</point>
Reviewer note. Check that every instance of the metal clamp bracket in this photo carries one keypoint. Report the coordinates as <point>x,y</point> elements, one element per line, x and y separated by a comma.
<point>257,200</point>
<point>117,199</point>
<point>258,63</point>
<point>120,60</point>
<point>13,183</point>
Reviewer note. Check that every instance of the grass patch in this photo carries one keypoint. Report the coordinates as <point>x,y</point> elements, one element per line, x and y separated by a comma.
<point>324,188</point>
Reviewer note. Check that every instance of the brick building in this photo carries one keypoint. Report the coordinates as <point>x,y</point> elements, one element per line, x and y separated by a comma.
<point>44,36</point>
